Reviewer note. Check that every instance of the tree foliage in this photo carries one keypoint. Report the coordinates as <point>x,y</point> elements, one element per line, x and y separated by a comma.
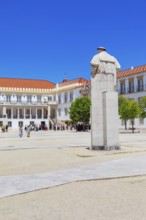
<point>123,109</point>
<point>142,105</point>
<point>128,110</point>
<point>80,110</point>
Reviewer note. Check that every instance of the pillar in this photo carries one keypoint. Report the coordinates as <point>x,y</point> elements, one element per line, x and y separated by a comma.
<point>104,108</point>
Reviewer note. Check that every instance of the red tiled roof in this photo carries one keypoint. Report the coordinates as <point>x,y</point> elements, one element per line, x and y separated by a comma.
<point>132,71</point>
<point>26,83</point>
<point>70,82</point>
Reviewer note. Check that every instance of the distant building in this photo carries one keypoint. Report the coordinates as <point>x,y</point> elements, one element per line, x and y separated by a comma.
<point>38,102</point>
<point>131,83</point>
<point>67,92</point>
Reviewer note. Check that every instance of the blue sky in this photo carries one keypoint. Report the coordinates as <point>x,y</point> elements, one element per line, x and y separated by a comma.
<point>43,39</point>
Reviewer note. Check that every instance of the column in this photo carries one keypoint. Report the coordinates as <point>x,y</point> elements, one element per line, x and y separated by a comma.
<point>4,111</point>
<point>49,117</point>
<point>68,96</point>
<point>42,113</point>
<point>24,113</point>
<point>12,113</point>
<point>30,113</point>
<point>56,92</point>
<point>135,84</point>
<point>48,111</point>
<point>56,114</point>
<point>118,86</point>
<point>126,86</point>
<point>18,113</point>
<point>144,82</point>
<point>36,113</point>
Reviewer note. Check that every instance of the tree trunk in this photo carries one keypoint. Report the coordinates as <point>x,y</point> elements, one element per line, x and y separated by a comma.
<point>125,125</point>
<point>132,122</point>
<point>83,126</point>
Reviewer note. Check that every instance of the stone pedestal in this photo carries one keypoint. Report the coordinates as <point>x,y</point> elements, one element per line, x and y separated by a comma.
<point>110,121</point>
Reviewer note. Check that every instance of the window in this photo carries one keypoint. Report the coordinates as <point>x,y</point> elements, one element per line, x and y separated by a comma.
<point>20,113</point>
<point>39,113</point>
<point>141,121</point>
<point>59,111</point>
<point>27,114</point>
<point>9,124</point>
<point>49,98</point>
<point>29,98</point>
<point>59,98</point>
<point>39,98</point>
<point>122,87</point>
<point>18,98</point>
<point>65,97</point>
<point>140,84</point>
<point>20,123</point>
<point>66,111</point>
<point>8,111</point>
<point>71,96</point>
<point>8,98</point>
<point>32,123</point>
<point>131,86</point>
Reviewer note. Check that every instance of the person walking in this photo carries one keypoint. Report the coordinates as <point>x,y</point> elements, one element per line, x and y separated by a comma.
<point>7,128</point>
<point>20,132</point>
<point>28,131</point>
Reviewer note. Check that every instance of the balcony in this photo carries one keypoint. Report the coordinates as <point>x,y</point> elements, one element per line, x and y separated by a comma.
<point>27,103</point>
<point>140,88</point>
<point>122,91</point>
<point>131,90</point>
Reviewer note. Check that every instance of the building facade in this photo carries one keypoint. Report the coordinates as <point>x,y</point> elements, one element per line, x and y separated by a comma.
<point>67,92</point>
<point>26,102</point>
<point>131,83</point>
<point>37,102</point>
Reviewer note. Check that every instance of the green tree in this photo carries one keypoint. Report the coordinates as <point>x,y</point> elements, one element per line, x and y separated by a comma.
<point>134,112</point>
<point>123,104</point>
<point>128,110</point>
<point>80,110</point>
<point>142,105</point>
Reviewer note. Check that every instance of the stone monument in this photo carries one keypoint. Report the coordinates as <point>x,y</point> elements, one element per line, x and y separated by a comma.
<point>104,98</point>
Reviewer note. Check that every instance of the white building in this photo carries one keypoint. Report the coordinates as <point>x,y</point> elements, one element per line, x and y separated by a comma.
<point>131,83</point>
<point>24,102</point>
<point>40,102</point>
<point>67,92</point>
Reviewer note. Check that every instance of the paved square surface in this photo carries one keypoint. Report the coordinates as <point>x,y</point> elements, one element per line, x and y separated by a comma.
<point>50,159</point>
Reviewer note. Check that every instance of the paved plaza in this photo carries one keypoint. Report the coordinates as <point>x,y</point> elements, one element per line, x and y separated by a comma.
<point>60,165</point>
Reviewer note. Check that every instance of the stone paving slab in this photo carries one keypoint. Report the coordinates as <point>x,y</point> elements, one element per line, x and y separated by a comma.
<point>13,185</point>
<point>43,146</point>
